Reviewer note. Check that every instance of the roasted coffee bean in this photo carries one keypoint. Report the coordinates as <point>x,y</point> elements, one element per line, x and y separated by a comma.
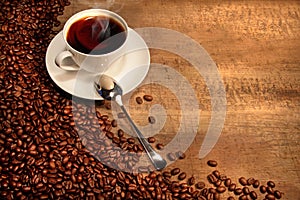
<point>243,197</point>
<point>250,181</point>
<point>114,123</point>
<point>175,171</point>
<point>212,163</point>
<point>277,194</point>
<point>246,190</point>
<point>216,173</point>
<point>221,189</point>
<point>270,197</point>
<point>243,181</point>
<point>256,184</point>
<point>253,195</point>
<point>139,100</point>
<point>182,176</point>
<point>121,115</point>
<point>167,174</point>
<point>263,189</point>
<point>218,183</point>
<point>212,190</point>
<point>151,139</point>
<point>160,146</point>
<point>171,156</point>
<point>230,198</point>
<point>147,97</point>
<point>216,196</point>
<point>270,190</point>
<point>52,181</point>
<point>200,185</point>
<point>26,188</point>
<point>131,140</point>
<point>238,191</point>
<point>151,120</point>
<point>52,164</point>
<point>120,133</point>
<point>271,184</point>
<point>191,181</point>
<point>183,196</point>
<point>227,182</point>
<point>223,177</point>
<point>212,179</point>
<point>180,155</point>
<point>204,192</point>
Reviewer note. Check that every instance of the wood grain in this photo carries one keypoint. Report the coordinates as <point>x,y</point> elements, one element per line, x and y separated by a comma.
<point>255,45</point>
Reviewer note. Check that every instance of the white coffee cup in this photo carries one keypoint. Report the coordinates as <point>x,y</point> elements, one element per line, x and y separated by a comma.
<point>82,32</point>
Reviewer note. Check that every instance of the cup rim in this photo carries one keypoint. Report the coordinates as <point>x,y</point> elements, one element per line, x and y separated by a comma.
<point>80,14</point>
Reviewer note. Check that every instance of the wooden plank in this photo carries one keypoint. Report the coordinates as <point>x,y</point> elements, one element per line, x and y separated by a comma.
<point>256,47</point>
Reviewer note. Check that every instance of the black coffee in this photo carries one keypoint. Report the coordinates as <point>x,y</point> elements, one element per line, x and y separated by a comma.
<point>96,35</point>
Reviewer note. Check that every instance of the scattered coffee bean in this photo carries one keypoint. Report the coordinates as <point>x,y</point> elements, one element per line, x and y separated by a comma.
<point>243,181</point>
<point>223,177</point>
<point>212,190</point>
<point>151,120</point>
<point>211,179</point>
<point>263,189</point>
<point>171,156</point>
<point>271,184</point>
<point>238,191</point>
<point>230,198</point>
<point>253,195</point>
<point>256,184</point>
<point>175,171</point>
<point>120,133</point>
<point>246,190</point>
<point>227,182</point>
<point>212,163</point>
<point>148,97</point>
<point>218,183</point>
<point>216,173</point>
<point>151,139</point>
<point>160,146</point>
<point>277,194</point>
<point>182,176</point>
<point>243,197</point>
<point>200,185</point>
<point>250,181</point>
<point>121,115</point>
<point>191,181</point>
<point>139,100</point>
<point>114,123</point>
<point>131,140</point>
<point>270,197</point>
<point>167,174</point>
<point>270,190</point>
<point>221,189</point>
<point>180,155</point>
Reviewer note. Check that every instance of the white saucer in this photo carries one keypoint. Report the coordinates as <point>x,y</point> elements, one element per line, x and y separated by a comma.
<point>129,71</point>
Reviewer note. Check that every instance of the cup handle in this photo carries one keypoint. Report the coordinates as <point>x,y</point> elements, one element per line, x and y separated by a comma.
<point>65,60</point>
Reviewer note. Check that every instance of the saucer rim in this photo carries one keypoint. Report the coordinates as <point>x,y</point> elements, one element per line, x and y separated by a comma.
<point>59,84</point>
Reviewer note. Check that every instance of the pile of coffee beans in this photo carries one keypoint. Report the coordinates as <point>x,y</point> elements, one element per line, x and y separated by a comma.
<point>243,189</point>
<point>51,146</point>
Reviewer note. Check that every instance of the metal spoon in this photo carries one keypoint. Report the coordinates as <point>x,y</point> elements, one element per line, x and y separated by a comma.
<point>110,90</point>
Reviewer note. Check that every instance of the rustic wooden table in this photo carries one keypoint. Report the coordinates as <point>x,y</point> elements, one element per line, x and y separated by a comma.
<point>255,45</point>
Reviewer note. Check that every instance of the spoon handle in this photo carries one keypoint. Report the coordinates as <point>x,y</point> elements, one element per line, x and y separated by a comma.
<point>157,160</point>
